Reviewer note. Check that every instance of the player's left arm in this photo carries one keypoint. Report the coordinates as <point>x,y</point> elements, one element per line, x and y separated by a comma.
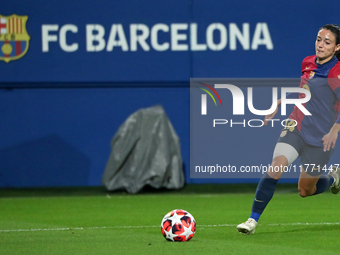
<point>329,140</point>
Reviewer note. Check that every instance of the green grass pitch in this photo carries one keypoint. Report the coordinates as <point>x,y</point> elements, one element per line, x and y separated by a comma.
<point>92,221</point>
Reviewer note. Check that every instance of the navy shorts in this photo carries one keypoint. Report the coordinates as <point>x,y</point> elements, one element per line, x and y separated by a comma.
<point>313,159</point>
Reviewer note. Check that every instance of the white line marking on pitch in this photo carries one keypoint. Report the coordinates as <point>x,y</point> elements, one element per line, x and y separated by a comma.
<point>304,223</point>
<point>133,227</point>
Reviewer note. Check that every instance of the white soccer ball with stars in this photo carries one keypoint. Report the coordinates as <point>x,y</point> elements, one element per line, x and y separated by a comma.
<point>178,226</point>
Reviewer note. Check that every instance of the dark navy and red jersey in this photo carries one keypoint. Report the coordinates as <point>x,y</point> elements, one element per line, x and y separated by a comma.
<point>323,82</point>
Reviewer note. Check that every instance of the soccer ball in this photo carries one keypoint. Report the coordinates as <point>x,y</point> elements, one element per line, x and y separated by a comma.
<point>178,226</point>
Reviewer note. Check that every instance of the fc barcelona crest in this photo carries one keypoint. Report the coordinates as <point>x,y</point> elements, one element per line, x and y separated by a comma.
<point>14,39</point>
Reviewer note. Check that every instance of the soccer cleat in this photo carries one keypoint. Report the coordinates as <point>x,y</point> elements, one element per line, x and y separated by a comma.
<point>248,227</point>
<point>335,187</point>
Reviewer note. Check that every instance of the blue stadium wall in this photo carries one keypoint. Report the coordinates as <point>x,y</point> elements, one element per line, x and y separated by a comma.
<point>71,72</point>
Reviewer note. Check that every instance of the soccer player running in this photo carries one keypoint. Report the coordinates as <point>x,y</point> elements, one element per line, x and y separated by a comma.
<point>310,137</point>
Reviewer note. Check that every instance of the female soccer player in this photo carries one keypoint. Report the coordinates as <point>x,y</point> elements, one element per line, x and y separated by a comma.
<point>310,137</point>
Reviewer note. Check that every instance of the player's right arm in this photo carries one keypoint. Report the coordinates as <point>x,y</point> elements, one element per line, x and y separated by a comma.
<point>307,64</point>
<point>272,115</point>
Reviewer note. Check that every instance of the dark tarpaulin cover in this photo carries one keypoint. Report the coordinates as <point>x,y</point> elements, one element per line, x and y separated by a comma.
<point>145,151</point>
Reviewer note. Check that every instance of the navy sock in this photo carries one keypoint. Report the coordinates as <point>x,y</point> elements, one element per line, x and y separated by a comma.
<point>264,193</point>
<point>323,183</point>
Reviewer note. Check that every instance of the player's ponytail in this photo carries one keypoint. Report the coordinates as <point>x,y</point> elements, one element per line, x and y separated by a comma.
<point>337,54</point>
<point>335,29</point>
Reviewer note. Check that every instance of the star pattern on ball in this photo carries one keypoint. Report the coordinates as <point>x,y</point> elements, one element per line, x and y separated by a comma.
<point>188,231</point>
<point>178,226</point>
<point>176,219</point>
<point>170,235</point>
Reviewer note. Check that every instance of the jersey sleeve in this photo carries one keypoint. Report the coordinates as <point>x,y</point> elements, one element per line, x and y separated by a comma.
<point>334,78</point>
<point>308,64</point>
<point>334,83</point>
